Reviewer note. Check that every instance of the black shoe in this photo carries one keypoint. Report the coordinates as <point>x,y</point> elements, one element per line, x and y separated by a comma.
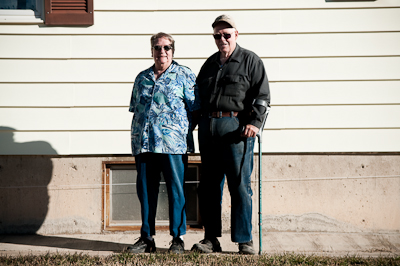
<point>142,245</point>
<point>177,246</point>
<point>207,246</point>
<point>247,248</point>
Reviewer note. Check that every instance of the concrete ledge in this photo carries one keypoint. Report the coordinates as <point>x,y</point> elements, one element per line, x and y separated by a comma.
<point>332,243</point>
<point>328,244</point>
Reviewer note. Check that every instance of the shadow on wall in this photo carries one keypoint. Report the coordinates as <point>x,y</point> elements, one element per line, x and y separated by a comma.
<point>23,183</point>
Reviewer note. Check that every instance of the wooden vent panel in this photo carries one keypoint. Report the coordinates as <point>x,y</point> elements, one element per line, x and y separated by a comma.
<point>68,5</point>
<point>69,12</point>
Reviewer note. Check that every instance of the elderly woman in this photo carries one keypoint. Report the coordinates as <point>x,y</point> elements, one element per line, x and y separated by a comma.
<point>163,98</point>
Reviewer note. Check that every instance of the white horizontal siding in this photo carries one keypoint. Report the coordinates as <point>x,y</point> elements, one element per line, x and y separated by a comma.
<point>118,94</point>
<point>312,117</point>
<point>66,143</point>
<point>345,140</point>
<point>100,142</point>
<point>65,94</point>
<point>125,70</point>
<point>32,95</point>
<point>348,140</point>
<point>322,45</point>
<point>64,119</point>
<point>281,117</point>
<point>34,142</point>
<point>200,46</point>
<point>363,68</point>
<point>335,93</point>
<point>249,21</point>
<point>333,69</point>
<point>234,4</point>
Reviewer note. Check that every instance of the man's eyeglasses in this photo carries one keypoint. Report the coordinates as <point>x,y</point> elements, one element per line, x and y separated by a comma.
<point>219,36</point>
<point>166,47</point>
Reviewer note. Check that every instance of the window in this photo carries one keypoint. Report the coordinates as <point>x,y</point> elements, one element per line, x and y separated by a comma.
<point>18,4</point>
<point>21,11</point>
<point>51,12</point>
<point>122,206</point>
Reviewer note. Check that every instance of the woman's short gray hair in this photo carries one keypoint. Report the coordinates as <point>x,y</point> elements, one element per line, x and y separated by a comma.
<point>163,35</point>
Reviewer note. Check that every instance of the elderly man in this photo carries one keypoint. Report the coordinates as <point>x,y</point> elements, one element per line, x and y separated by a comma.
<point>234,93</point>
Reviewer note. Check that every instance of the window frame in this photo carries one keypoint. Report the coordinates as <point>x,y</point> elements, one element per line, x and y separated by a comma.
<point>23,16</point>
<point>106,203</point>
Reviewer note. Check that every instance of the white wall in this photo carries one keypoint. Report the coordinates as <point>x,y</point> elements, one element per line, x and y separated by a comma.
<point>333,69</point>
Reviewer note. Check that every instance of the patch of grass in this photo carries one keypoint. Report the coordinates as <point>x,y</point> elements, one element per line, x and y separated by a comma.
<point>195,259</point>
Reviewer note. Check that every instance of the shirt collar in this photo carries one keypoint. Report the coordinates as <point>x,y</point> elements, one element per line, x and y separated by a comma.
<point>235,56</point>
<point>171,68</point>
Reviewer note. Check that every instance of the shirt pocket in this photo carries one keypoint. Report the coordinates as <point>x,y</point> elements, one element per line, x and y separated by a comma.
<point>232,85</point>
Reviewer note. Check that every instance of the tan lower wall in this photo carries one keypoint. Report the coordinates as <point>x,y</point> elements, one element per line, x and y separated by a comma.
<point>301,193</point>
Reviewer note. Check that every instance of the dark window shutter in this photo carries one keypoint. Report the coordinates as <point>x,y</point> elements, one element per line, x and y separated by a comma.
<point>69,12</point>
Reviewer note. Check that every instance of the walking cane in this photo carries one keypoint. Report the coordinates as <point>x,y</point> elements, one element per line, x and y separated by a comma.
<point>259,136</point>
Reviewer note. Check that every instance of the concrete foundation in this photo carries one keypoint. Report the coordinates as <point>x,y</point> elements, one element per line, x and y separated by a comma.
<point>315,193</point>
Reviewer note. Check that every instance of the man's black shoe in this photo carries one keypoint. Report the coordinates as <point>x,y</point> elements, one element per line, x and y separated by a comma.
<point>142,245</point>
<point>177,246</point>
<point>247,248</point>
<point>207,246</point>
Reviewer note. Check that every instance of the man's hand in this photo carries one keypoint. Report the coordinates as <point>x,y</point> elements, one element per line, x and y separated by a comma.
<point>249,131</point>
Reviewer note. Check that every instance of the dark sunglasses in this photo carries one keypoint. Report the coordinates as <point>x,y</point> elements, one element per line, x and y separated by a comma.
<point>219,36</point>
<point>166,47</point>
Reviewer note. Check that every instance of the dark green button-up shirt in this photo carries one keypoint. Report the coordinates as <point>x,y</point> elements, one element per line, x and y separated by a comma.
<point>234,85</point>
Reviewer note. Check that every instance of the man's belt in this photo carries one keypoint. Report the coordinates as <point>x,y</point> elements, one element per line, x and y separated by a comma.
<point>220,114</point>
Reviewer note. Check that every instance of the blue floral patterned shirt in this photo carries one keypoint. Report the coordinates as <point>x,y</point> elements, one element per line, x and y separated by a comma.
<point>162,110</point>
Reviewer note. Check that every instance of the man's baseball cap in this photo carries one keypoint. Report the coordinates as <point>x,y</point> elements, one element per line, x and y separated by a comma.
<point>224,18</point>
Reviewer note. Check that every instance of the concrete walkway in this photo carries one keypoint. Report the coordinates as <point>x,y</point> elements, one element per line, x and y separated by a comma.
<point>331,244</point>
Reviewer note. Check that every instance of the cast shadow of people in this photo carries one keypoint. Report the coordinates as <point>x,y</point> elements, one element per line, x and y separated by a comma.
<point>23,183</point>
<point>58,242</point>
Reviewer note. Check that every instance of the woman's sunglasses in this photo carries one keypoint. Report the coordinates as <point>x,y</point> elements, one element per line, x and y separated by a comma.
<point>158,47</point>
<point>219,36</point>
